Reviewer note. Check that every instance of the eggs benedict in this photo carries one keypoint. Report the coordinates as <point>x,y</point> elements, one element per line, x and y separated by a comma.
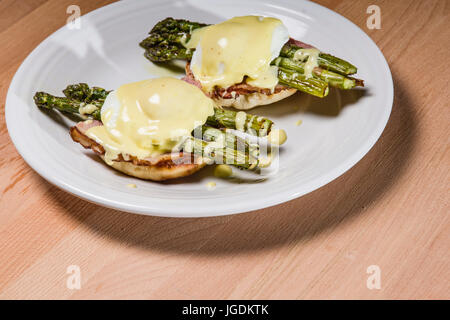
<point>140,125</point>
<point>148,118</point>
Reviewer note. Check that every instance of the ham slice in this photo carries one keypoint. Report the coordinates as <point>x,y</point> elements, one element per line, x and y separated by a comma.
<point>298,43</point>
<point>233,91</point>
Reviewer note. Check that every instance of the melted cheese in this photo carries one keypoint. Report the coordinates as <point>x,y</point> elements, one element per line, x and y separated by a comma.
<point>149,117</point>
<point>242,46</point>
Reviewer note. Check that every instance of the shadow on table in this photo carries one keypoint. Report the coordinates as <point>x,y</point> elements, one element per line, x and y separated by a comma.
<point>295,221</point>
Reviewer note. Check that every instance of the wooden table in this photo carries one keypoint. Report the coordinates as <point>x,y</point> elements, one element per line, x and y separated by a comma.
<point>390,210</point>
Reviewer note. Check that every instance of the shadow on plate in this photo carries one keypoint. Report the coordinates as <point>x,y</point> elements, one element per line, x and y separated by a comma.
<point>330,106</point>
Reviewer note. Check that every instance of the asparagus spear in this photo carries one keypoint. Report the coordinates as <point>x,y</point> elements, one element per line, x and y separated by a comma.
<point>229,140</point>
<point>258,126</point>
<point>313,86</point>
<point>48,101</point>
<point>171,30</point>
<point>220,155</point>
<point>325,61</point>
<point>82,92</point>
<point>332,78</point>
<point>166,40</point>
<point>78,96</point>
<point>45,100</point>
<point>74,103</point>
<point>167,52</point>
<point>225,138</point>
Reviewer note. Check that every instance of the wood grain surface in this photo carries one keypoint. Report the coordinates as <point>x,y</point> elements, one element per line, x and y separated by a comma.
<point>390,210</point>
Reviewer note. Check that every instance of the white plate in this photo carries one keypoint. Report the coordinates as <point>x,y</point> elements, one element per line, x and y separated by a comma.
<point>105,52</point>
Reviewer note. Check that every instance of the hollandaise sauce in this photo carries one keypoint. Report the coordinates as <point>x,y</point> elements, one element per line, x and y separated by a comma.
<point>243,46</point>
<point>310,56</point>
<point>149,117</point>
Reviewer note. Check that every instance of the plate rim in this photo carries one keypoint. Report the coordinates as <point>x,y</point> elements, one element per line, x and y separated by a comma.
<point>186,211</point>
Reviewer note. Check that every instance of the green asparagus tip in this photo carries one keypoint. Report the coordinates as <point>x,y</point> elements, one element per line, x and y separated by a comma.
<point>40,99</point>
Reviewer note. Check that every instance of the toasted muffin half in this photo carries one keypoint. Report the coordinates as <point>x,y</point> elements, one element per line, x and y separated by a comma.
<point>163,167</point>
<point>243,96</point>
